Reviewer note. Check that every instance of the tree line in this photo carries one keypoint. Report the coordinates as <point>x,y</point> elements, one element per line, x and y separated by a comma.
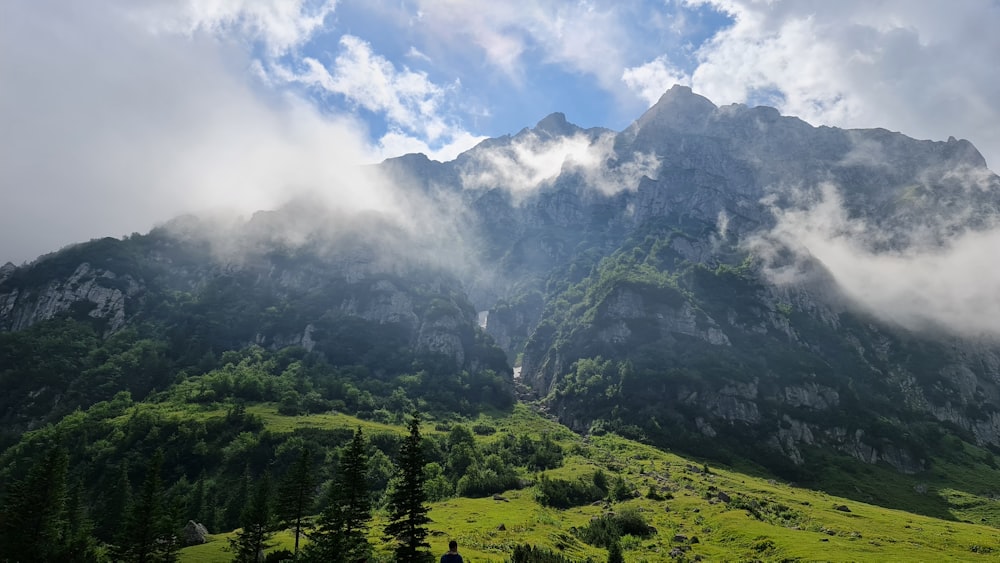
<point>46,516</point>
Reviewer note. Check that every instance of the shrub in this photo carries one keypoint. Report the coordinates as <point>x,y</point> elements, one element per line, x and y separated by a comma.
<point>529,554</point>
<point>484,429</point>
<point>609,528</point>
<point>561,493</point>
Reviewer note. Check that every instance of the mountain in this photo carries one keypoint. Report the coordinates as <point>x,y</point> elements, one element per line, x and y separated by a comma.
<point>634,279</point>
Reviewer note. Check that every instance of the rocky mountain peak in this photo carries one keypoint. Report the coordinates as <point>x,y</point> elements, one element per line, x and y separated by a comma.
<point>555,125</point>
<point>678,109</point>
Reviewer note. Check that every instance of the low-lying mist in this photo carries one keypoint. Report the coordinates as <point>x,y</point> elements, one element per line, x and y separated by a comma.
<point>946,276</point>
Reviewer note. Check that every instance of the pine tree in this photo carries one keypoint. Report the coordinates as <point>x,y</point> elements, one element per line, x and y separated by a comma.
<point>33,515</point>
<point>116,506</point>
<point>258,526</point>
<point>147,535</point>
<point>237,501</point>
<point>407,509</point>
<point>196,507</point>
<point>342,532</point>
<point>296,495</point>
<point>76,542</point>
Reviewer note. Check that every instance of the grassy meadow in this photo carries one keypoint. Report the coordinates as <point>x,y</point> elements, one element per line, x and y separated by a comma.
<point>716,515</point>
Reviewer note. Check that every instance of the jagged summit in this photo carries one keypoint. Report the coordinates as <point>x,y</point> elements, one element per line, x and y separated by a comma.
<point>679,108</point>
<point>555,125</point>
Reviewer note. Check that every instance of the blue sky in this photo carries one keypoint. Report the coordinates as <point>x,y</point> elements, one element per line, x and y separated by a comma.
<point>118,115</point>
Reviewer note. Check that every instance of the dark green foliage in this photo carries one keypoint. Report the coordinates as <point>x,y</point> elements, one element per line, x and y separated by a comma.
<point>238,499</point>
<point>563,493</point>
<point>407,502</point>
<point>530,554</point>
<point>342,529</point>
<point>615,553</point>
<point>295,496</point>
<point>148,535</point>
<point>620,490</point>
<point>607,530</point>
<point>279,555</point>
<point>258,525</point>
<point>33,518</point>
<point>77,540</point>
<point>486,477</point>
<point>484,429</point>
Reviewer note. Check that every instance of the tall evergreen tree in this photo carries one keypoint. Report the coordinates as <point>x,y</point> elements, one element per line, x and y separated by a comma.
<point>342,531</point>
<point>196,505</point>
<point>147,535</point>
<point>237,501</point>
<point>76,542</point>
<point>295,499</point>
<point>116,505</point>
<point>33,516</point>
<point>258,525</point>
<point>407,502</point>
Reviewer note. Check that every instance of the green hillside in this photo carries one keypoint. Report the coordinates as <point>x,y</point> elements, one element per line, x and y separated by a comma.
<point>764,519</point>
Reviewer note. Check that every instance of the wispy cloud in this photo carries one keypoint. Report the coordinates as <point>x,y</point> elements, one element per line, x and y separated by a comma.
<point>943,277</point>
<point>280,25</point>
<point>409,101</point>
<point>652,79</point>
<point>530,161</point>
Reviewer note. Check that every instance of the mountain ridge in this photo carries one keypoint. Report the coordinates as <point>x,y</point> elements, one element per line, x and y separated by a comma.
<point>619,259</point>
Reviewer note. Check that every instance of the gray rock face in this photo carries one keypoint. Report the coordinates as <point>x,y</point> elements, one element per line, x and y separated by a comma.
<point>626,304</point>
<point>812,396</point>
<point>195,533</point>
<point>103,292</point>
<point>6,270</point>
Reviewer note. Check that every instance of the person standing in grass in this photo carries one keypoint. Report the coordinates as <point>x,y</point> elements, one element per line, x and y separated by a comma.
<point>452,556</point>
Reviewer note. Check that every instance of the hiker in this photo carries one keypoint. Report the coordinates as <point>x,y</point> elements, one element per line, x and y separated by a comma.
<point>452,556</point>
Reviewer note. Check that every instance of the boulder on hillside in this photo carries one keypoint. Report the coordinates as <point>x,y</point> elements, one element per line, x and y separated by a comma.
<point>195,533</point>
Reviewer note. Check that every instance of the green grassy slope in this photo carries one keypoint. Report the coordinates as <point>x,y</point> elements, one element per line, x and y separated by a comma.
<point>762,520</point>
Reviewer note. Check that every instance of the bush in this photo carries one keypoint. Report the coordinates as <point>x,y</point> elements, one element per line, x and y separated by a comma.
<point>484,429</point>
<point>608,529</point>
<point>560,493</point>
<point>279,556</point>
<point>529,554</point>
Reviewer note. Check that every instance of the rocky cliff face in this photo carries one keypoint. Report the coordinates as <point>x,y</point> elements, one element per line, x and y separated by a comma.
<point>288,293</point>
<point>101,293</point>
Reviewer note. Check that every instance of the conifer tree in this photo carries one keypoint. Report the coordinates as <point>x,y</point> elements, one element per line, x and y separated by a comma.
<point>147,535</point>
<point>407,509</point>
<point>196,507</point>
<point>237,501</point>
<point>296,495</point>
<point>76,542</point>
<point>258,526</point>
<point>33,515</point>
<point>342,532</point>
<point>116,505</point>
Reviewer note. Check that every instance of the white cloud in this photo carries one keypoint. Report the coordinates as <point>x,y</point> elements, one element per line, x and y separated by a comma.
<point>924,286</point>
<point>530,161</point>
<point>923,68</point>
<point>413,105</point>
<point>109,129</point>
<point>395,143</point>
<point>595,38</point>
<point>280,25</point>
<point>414,53</point>
<point>652,79</point>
